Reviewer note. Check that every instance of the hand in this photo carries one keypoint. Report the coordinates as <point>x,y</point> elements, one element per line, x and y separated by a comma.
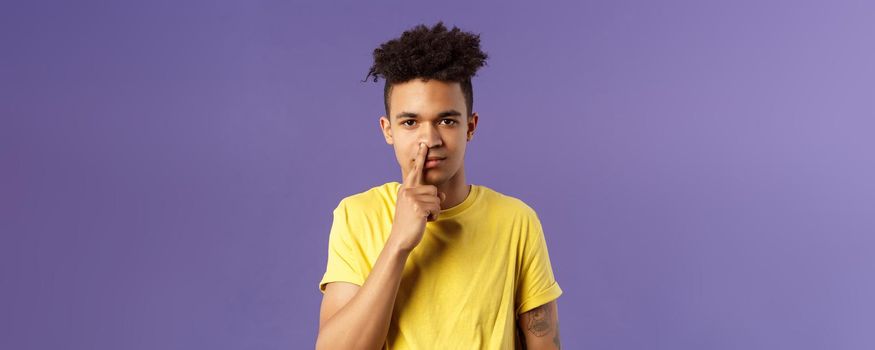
<point>417,203</point>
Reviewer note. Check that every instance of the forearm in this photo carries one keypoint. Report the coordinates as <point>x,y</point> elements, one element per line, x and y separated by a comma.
<point>363,322</point>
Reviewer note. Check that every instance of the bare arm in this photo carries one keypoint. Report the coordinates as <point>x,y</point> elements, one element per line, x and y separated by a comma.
<point>355,317</point>
<point>541,327</point>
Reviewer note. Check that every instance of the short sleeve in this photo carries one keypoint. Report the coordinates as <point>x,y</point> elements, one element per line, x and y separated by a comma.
<point>345,256</point>
<point>536,286</point>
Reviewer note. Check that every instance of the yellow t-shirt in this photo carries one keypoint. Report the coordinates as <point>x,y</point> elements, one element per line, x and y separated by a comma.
<point>480,265</point>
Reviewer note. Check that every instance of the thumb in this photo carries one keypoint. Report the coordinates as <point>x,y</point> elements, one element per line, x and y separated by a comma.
<point>443,196</point>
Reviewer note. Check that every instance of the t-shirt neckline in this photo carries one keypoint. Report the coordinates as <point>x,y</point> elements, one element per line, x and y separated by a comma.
<point>473,193</point>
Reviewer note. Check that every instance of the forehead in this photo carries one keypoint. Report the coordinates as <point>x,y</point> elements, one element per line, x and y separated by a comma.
<point>421,97</point>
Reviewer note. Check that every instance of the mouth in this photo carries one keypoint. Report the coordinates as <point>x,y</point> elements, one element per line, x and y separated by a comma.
<point>433,162</point>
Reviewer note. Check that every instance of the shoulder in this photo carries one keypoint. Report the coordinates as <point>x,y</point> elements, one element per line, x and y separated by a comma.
<point>371,200</point>
<point>521,219</point>
<point>507,204</point>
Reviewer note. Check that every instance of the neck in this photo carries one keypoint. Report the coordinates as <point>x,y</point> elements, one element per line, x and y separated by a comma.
<point>455,188</point>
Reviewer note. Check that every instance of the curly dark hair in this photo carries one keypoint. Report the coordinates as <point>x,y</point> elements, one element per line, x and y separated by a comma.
<point>429,53</point>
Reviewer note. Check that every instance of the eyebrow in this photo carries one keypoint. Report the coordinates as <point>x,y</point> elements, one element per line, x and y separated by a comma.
<point>444,114</point>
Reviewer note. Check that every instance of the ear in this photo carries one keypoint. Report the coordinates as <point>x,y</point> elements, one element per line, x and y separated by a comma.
<point>386,127</point>
<point>472,125</point>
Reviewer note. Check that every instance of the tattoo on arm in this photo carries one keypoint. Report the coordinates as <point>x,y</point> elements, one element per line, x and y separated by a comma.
<point>539,321</point>
<point>556,337</point>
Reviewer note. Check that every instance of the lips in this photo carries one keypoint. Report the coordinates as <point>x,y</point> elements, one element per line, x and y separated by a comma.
<point>433,162</point>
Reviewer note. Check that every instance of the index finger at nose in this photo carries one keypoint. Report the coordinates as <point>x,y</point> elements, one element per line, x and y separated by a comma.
<point>415,175</point>
<point>420,163</point>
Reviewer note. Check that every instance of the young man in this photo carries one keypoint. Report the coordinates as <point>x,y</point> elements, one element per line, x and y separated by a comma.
<point>433,262</point>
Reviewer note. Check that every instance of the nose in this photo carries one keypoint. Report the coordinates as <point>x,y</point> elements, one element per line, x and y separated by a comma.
<point>429,135</point>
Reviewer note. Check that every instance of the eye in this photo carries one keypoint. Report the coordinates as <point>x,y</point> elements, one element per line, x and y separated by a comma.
<point>405,122</point>
<point>452,122</point>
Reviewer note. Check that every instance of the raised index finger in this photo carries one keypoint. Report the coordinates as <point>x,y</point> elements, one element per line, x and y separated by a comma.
<point>414,178</point>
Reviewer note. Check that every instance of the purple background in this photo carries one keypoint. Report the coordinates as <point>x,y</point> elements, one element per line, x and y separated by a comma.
<point>703,172</point>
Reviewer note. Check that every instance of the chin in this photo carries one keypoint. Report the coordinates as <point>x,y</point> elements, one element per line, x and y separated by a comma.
<point>438,179</point>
